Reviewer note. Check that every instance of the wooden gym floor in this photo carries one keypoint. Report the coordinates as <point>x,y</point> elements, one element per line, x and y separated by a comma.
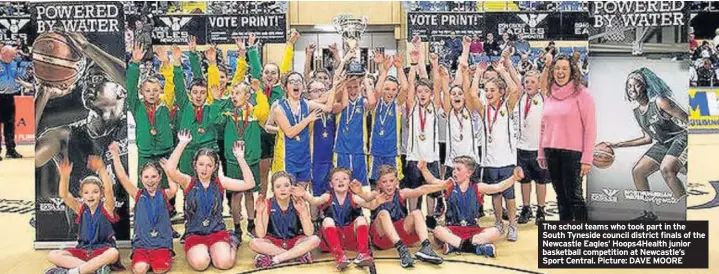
<point>17,235</point>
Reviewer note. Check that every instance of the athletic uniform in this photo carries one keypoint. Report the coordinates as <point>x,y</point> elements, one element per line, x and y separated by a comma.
<point>500,147</point>
<point>273,94</point>
<point>284,228</point>
<point>152,237</point>
<point>293,154</point>
<point>397,212</point>
<point>422,143</point>
<point>460,140</point>
<point>670,137</point>
<point>203,214</point>
<point>529,118</point>
<point>96,234</point>
<point>385,138</point>
<point>344,216</point>
<point>463,211</point>
<point>153,134</point>
<point>323,138</point>
<point>351,140</point>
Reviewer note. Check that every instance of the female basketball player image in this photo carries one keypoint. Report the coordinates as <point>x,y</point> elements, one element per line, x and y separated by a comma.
<point>662,121</point>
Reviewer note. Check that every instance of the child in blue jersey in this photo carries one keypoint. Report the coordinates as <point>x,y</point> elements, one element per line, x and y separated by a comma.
<point>386,117</point>
<point>344,227</point>
<point>293,116</point>
<point>392,225</point>
<point>461,232</point>
<point>96,239</point>
<point>204,192</point>
<point>152,232</point>
<point>283,226</point>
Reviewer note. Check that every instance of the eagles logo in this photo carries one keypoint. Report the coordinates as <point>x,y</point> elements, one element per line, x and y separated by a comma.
<point>535,101</point>
<point>501,112</point>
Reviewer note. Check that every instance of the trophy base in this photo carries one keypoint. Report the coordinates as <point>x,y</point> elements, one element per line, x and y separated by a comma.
<point>355,69</point>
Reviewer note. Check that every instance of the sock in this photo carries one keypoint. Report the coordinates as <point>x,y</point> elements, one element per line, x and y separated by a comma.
<point>363,239</point>
<point>425,243</point>
<point>237,227</point>
<point>333,240</point>
<point>467,246</point>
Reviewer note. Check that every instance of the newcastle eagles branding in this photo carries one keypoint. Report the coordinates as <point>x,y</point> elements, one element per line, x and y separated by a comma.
<point>78,18</point>
<point>529,28</point>
<point>13,29</point>
<point>176,29</point>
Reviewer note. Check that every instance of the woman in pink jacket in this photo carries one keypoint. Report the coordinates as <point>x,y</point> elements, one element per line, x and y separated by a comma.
<point>568,134</point>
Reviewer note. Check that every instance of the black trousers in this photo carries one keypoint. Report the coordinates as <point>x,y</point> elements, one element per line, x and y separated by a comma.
<point>565,171</point>
<point>7,118</point>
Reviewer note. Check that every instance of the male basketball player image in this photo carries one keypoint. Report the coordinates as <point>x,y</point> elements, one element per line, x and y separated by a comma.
<point>101,85</point>
<point>663,123</point>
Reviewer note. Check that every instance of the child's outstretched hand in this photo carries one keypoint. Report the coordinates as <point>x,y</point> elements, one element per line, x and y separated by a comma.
<point>239,150</point>
<point>383,198</point>
<point>260,204</point>
<point>184,136</point>
<point>94,163</point>
<point>518,174</point>
<point>176,55</point>
<point>255,85</point>
<point>114,148</point>
<point>64,168</point>
<point>356,186</point>
<point>300,206</point>
<point>297,191</point>
<point>422,165</point>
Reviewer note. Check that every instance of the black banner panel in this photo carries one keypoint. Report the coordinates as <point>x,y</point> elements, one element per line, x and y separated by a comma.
<point>79,69</point>
<point>14,29</point>
<point>650,244</point>
<point>433,26</point>
<point>177,29</point>
<point>269,28</point>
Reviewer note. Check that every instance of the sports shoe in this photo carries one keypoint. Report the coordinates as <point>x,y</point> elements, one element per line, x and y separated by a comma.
<point>427,254</point>
<point>512,233</point>
<point>487,250</point>
<point>540,215</point>
<point>175,234</point>
<point>405,259</point>
<point>103,270</point>
<point>525,215</point>
<point>56,270</point>
<point>448,248</point>
<point>648,216</point>
<point>12,154</point>
<point>363,259</point>
<point>238,234</point>
<point>235,239</point>
<point>306,259</point>
<point>342,262</point>
<point>500,226</point>
<point>262,261</point>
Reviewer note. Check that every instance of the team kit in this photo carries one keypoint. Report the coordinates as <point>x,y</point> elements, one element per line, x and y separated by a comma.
<point>336,161</point>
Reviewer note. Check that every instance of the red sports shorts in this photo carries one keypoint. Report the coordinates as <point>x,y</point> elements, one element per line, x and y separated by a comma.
<point>208,240</point>
<point>383,242</point>
<point>284,244</point>
<point>159,260</point>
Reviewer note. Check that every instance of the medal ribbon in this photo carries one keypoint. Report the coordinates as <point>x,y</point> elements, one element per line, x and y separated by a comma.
<point>295,116</point>
<point>422,118</point>
<point>268,92</point>
<point>245,118</point>
<point>350,113</point>
<point>526,108</point>
<point>151,210</point>
<point>459,120</point>
<point>494,120</point>
<point>383,117</point>
<point>198,114</point>
<point>151,109</point>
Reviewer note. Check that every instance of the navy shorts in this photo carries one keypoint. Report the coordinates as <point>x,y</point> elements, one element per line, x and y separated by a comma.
<point>527,160</point>
<point>495,175</point>
<point>357,163</point>
<point>320,178</point>
<point>378,161</point>
<point>414,178</point>
<point>304,175</point>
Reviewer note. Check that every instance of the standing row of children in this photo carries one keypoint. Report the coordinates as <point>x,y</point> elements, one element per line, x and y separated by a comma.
<point>320,140</point>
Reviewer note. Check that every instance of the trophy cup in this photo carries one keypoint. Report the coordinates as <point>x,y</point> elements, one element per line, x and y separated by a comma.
<point>351,29</point>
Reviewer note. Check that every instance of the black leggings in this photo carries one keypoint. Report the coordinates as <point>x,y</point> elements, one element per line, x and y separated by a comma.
<point>565,171</point>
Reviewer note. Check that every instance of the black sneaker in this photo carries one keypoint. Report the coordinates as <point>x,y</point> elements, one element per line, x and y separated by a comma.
<point>525,215</point>
<point>405,259</point>
<point>12,154</point>
<point>235,239</point>
<point>251,227</point>
<point>175,234</point>
<point>431,222</point>
<point>648,216</point>
<point>56,270</point>
<point>238,234</point>
<point>481,212</point>
<point>540,215</point>
<point>504,214</point>
<point>427,254</point>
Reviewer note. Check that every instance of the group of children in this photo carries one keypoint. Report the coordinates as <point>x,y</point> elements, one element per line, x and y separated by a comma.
<point>315,132</point>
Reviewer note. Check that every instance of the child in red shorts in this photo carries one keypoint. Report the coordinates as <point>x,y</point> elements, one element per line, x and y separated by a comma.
<point>393,226</point>
<point>344,227</point>
<point>283,226</point>
<point>461,232</point>
<point>204,192</point>
<point>96,238</point>
<point>152,241</point>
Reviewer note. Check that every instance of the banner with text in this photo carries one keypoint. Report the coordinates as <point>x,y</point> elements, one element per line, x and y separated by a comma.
<point>79,70</point>
<point>704,110</point>
<point>269,28</point>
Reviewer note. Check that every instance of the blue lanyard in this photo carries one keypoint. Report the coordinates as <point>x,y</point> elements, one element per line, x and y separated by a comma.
<point>151,210</point>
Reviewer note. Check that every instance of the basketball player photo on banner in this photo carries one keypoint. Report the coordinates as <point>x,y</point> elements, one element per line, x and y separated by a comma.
<point>78,60</point>
<point>638,54</point>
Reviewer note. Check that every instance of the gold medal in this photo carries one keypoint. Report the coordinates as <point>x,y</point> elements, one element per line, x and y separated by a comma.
<point>381,132</point>
<point>153,234</point>
<point>153,132</point>
<point>489,139</point>
<point>461,136</point>
<point>206,223</point>
<point>297,138</point>
<point>463,223</point>
<point>421,136</point>
<point>201,130</point>
<point>325,134</point>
